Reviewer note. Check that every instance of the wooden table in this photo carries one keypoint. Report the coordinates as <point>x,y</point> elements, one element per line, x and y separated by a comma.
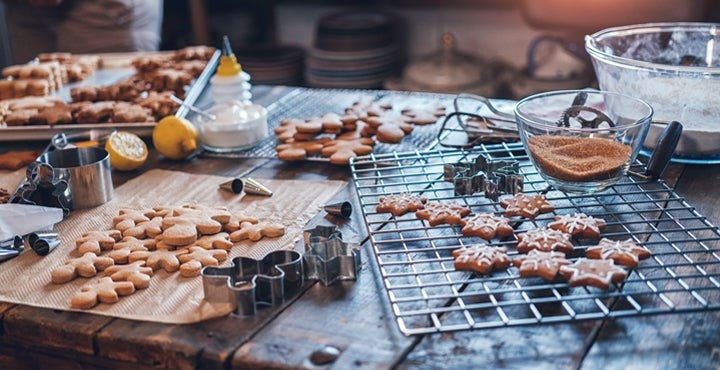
<point>354,317</point>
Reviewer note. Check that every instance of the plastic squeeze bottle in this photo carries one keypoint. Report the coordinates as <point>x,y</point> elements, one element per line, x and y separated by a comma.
<point>230,83</point>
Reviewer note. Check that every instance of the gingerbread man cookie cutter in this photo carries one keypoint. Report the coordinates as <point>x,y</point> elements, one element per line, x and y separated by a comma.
<point>328,257</point>
<point>250,283</point>
<point>493,177</point>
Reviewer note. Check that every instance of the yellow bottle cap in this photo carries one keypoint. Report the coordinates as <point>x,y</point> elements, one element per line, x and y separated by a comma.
<point>228,66</point>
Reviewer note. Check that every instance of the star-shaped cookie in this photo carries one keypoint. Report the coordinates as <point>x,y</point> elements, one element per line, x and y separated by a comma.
<point>481,258</point>
<point>437,213</point>
<point>400,204</point>
<point>486,226</point>
<point>596,273</point>
<point>528,206</point>
<point>625,252</point>
<point>541,264</point>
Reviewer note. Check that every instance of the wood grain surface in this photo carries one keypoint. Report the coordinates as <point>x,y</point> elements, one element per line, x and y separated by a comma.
<point>355,318</point>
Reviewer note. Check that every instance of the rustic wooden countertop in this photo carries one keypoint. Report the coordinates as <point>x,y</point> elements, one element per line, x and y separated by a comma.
<point>355,318</point>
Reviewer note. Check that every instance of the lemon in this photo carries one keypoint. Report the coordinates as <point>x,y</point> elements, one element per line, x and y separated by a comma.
<point>127,151</point>
<point>174,137</point>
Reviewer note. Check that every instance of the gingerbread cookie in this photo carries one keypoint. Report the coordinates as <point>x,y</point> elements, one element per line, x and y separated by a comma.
<point>128,218</point>
<point>423,116</point>
<point>218,213</point>
<point>544,240</point>
<point>340,151</point>
<point>437,213</point>
<point>178,231</point>
<point>579,225</point>
<point>287,129</point>
<point>97,241</point>
<point>481,258</point>
<point>390,128</point>
<point>486,226</point>
<point>159,259</point>
<point>255,232</point>
<point>299,150</point>
<point>131,113</point>
<point>400,204</point>
<point>105,290</point>
<point>145,229</point>
<point>216,241</point>
<point>625,252</point>
<point>136,273</point>
<point>200,52</point>
<point>59,113</point>
<point>160,104</point>
<point>205,257</point>
<point>528,206</point>
<point>540,264</point>
<point>16,159</point>
<point>99,112</point>
<point>86,266</point>
<point>237,219</point>
<point>597,273</point>
<point>122,249</point>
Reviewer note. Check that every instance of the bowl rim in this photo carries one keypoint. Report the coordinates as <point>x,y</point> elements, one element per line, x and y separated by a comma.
<point>647,119</point>
<point>595,51</point>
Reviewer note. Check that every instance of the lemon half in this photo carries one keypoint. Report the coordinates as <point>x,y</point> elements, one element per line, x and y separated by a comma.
<point>127,151</point>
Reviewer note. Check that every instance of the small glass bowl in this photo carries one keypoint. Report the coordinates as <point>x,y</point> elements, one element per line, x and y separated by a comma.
<point>576,159</point>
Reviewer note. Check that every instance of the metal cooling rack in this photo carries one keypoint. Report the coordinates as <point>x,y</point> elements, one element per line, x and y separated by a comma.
<point>427,295</point>
<point>305,102</point>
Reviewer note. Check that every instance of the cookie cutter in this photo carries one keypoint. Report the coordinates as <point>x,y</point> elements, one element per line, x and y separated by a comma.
<point>328,258</point>
<point>491,176</point>
<point>250,283</point>
<point>44,188</point>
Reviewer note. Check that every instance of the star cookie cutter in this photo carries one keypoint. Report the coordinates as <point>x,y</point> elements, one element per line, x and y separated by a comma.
<point>250,283</point>
<point>491,176</point>
<point>328,258</point>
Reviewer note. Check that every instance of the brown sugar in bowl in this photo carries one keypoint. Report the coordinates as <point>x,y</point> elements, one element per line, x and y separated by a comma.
<point>579,159</point>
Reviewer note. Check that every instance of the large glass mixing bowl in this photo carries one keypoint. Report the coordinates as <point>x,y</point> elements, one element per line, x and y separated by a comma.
<point>675,67</point>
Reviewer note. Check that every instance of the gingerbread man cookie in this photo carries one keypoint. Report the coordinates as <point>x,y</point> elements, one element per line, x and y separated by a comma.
<point>541,264</point>
<point>390,128</point>
<point>597,273</point>
<point>136,273</point>
<point>159,259</point>
<point>178,231</point>
<point>129,218</point>
<point>287,129</point>
<point>216,241</point>
<point>299,150</point>
<point>86,266</point>
<point>625,252</point>
<point>481,258</point>
<point>257,231</point>
<point>105,290</point>
<point>97,241</point>
<point>423,116</point>
<point>528,206</point>
<point>197,258</point>
<point>122,249</point>
<point>437,213</point>
<point>340,151</point>
<point>145,229</point>
<point>486,226</point>
<point>545,240</point>
<point>237,219</point>
<point>579,224</point>
<point>400,204</point>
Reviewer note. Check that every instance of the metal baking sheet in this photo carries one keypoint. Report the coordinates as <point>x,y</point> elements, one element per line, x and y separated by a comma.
<point>115,71</point>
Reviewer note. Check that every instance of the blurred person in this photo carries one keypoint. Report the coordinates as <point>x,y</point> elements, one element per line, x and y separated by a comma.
<point>82,26</point>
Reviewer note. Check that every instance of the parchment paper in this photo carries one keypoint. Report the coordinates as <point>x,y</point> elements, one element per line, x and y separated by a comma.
<point>170,297</point>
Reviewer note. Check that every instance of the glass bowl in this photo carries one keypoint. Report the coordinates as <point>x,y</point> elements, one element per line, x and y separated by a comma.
<point>675,67</point>
<point>580,159</point>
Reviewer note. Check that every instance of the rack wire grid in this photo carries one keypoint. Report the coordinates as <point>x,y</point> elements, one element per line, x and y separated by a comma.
<point>427,295</point>
<point>304,103</point>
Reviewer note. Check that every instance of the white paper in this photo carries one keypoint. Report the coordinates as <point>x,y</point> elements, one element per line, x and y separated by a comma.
<point>21,219</point>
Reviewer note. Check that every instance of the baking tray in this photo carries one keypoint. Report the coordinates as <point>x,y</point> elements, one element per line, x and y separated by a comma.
<point>308,102</point>
<point>428,295</point>
<point>114,67</point>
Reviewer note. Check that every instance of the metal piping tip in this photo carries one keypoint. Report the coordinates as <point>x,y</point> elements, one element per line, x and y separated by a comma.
<point>342,209</point>
<point>43,247</point>
<point>247,184</point>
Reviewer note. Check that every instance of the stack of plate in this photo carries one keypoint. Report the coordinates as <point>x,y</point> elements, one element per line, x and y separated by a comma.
<point>353,50</point>
<point>272,65</point>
